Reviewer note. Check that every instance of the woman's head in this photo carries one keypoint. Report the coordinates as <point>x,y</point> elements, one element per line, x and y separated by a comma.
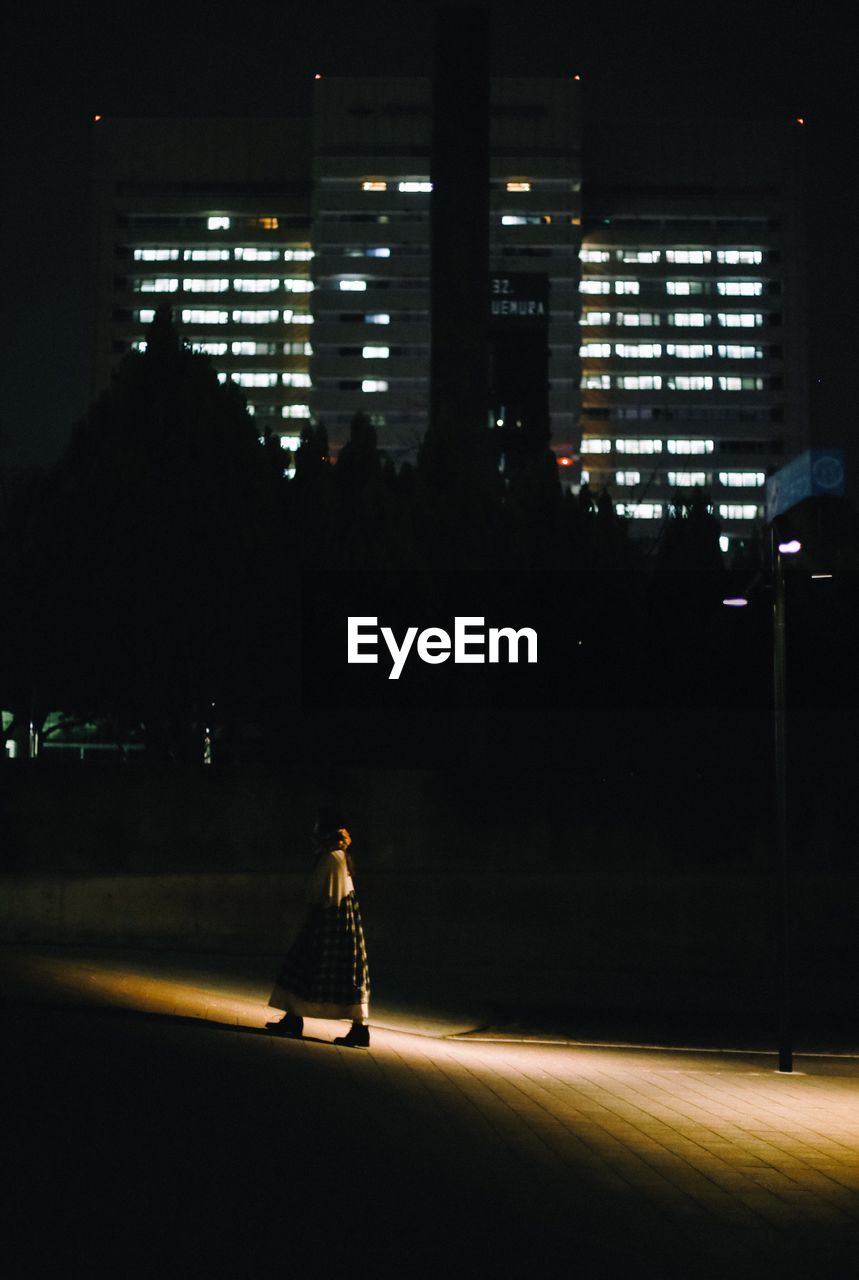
<point>330,828</point>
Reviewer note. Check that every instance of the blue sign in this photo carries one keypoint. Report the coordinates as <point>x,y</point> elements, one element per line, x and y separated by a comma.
<point>815,472</point>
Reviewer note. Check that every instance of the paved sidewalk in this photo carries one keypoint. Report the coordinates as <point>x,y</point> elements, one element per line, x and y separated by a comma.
<point>482,1152</point>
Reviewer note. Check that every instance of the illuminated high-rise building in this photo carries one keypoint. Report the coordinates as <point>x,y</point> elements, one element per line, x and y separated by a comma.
<point>211,216</point>
<point>692,336</point>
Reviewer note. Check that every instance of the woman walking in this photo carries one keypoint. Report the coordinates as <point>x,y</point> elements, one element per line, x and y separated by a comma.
<point>324,973</point>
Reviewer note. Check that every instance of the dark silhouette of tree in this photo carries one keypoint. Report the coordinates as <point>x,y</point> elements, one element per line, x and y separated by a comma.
<point>152,545</point>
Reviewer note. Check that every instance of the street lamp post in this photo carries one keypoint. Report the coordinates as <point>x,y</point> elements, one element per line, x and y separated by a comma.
<point>785,1032</point>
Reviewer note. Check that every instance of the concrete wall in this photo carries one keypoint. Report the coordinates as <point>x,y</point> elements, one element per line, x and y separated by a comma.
<point>699,945</point>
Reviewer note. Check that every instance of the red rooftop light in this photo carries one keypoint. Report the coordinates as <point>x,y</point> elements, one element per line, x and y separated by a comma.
<point>800,119</point>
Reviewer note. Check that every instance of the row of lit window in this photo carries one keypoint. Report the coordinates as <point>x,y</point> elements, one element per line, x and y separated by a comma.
<point>688,479</point>
<point>409,186</point>
<point>680,319</point>
<point>267,379</point>
<point>246,253</point>
<point>242,348</point>
<point>654,511</point>
<point>677,288</point>
<point>680,351</point>
<point>596,445</point>
<point>235,317</point>
<point>208,284</point>
<point>677,382</point>
<point>220,222</point>
<point>682,257</point>
<point>287,410</point>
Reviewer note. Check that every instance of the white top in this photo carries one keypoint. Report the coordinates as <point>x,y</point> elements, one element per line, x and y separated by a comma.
<point>330,882</point>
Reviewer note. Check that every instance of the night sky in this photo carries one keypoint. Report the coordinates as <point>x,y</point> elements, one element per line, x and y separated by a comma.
<point>742,60</point>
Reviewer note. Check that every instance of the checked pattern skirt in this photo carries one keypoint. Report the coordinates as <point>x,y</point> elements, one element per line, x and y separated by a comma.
<point>324,974</point>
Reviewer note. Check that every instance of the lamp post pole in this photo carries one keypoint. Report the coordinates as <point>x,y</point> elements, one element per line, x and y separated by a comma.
<point>785,1036</point>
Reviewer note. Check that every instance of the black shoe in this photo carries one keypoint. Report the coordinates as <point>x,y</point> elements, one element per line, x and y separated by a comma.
<point>289,1025</point>
<point>357,1037</point>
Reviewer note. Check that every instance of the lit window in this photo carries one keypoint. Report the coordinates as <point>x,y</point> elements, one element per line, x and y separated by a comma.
<point>353,286</point>
<point>295,379</point>
<point>689,319</point>
<point>586,477</point>
<point>296,255</point>
<point>218,223</point>
<point>690,446</point>
<point>210,348</point>
<point>639,510</point>
<point>633,319</point>
<point>740,288</point>
<point>735,351</point>
<point>691,382</point>
<point>596,317</point>
<point>381,251</point>
<point>596,382</point>
<point>626,286</point>
<point>139,345</point>
<point>205,255</point>
<point>256,286</point>
<point>374,384</point>
<point>513,220</point>
<point>594,445</point>
<point>376,353</point>
<point>206,317</point>
<point>156,255</point>
<point>742,479</point>
<point>738,511</point>
<point>295,411</point>
<point>414,187</point>
<point>222,377</point>
<point>252,348</point>
<point>290,442</point>
<point>595,350</point>
<point>254,379</point>
<point>638,350</point>
<point>730,382</point>
<point>268,224</point>
<point>686,479</point>
<point>594,255</point>
<point>298,286</point>
<point>374,184</point>
<point>255,317</point>
<point>689,350</point>
<point>208,285</point>
<point>639,382</point>
<point>638,446</point>
<point>740,257</point>
<point>627,478</point>
<point>156,284</point>
<point>147,316</point>
<point>740,319</point>
<point>724,542</point>
<point>594,286</point>
<point>297,317</point>
<point>247,253</point>
<point>297,349</point>
<point>640,255</point>
<point>518,186</point>
<point>377,317</point>
<point>684,288</point>
<point>688,257</point>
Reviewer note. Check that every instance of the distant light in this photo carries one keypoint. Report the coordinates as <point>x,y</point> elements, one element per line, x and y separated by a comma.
<point>817,576</point>
<point>318,76</point>
<point>565,462</point>
<point>790,548</point>
<point>97,118</point>
<point>577,76</point>
<point>800,119</point>
<point>519,186</point>
<point>736,602</point>
<point>373,184</point>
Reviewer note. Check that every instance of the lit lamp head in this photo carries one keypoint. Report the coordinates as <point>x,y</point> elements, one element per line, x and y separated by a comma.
<point>790,548</point>
<point>735,602</point>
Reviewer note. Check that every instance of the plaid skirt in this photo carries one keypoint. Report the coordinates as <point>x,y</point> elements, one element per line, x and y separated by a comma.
<point>324,974</point>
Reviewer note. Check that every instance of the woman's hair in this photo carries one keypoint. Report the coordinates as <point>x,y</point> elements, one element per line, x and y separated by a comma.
<point>331,831</point>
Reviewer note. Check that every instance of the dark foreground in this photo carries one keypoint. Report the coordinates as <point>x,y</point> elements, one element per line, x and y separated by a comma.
<point>144,1133</point>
